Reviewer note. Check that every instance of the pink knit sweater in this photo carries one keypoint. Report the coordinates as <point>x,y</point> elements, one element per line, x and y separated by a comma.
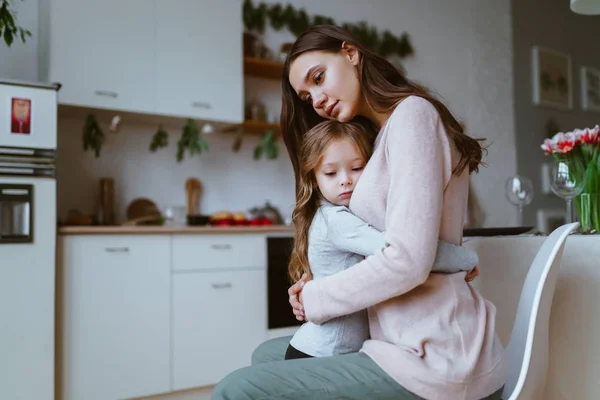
<point>434,334</point>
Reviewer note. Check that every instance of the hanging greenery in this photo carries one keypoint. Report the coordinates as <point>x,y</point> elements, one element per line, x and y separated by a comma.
<point>8,27</point>
<point>93,137</point>
<point>159,140</point>
<point>267,146</point>
<point>191,140</point>
<point>297,21</point>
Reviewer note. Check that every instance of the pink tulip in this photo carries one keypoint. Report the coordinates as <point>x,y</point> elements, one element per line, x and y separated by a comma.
<point>563,143</point>
<point>548,146</point>
<point>591,136</point>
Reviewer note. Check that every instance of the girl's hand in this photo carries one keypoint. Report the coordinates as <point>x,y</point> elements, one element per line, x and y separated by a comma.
<point>472,274</point>
<point>295,293</point>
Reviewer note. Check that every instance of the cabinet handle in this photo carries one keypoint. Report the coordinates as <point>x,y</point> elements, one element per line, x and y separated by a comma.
<point>221,246</point>
<point>105,93</point>
<point>221,285</point>
<point>117,249</point>
<point>201,104</point>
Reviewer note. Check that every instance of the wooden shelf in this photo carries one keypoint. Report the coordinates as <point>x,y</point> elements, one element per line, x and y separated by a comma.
<point>254,127</point>
<point>261,68</point>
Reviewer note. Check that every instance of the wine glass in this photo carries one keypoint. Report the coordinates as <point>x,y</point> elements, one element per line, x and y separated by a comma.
<point>567,178</point>
<point>519,191</point>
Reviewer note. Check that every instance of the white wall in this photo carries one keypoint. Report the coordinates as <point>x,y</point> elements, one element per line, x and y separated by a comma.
<point>230,181</point>
<point>463,52</point>
<point>490,105</point>
<point>20,60</point>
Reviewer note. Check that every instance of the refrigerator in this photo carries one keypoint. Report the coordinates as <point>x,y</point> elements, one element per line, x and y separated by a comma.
<point>28,127</point>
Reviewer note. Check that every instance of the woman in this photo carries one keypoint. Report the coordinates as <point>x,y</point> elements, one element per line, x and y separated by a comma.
<point>432,335</point>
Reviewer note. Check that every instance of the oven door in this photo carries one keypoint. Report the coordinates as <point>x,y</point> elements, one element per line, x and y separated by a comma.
<point>279,250</point>
<point>16,213</point>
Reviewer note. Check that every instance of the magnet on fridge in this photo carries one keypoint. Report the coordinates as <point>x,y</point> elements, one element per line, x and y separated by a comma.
<point>20,116</point>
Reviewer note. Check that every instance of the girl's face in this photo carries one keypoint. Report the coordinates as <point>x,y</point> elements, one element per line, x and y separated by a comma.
<point>328,81</point>
<point>338,171</point>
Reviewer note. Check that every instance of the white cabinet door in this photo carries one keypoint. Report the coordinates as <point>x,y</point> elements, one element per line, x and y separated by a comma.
<point>103,53</point>
<point>115,316</point>
<point>218,320</point>
<point>199,67</point>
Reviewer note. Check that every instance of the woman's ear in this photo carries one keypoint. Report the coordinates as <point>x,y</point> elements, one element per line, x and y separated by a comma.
<point>350,52</point>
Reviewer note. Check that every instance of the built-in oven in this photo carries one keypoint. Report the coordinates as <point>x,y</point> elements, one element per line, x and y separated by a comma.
<point>16,213</point>
<point>280,313</point>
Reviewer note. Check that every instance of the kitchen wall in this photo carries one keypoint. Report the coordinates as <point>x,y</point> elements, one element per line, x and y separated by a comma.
<point>230,181</point>
<point>548,24</point>
<point>20,60</point>
<point>463,52</point>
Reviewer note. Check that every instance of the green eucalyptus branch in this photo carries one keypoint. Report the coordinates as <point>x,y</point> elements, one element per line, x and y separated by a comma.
<point>297,21</point>
<point>159,140</point>
<point>9,30</point>
<point>93,137</point>
<point>191,140</point>
<point>267,146</point>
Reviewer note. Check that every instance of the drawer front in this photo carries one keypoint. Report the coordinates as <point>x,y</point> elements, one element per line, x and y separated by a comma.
<point>201,252</point>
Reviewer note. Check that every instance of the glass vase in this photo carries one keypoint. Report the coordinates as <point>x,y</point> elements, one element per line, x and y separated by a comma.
<point>588,209</point>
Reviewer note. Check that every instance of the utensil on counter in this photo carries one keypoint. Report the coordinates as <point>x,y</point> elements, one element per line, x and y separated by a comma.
<point>192,189</point>
<point>143,211</point>
<point>107,201</point>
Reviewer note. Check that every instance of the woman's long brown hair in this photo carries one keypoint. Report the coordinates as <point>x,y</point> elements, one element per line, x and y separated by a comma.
<point>314,144</point>
<point>383,86</point>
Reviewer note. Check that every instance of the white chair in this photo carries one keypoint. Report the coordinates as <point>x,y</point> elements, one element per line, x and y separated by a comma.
<point>527,351</point>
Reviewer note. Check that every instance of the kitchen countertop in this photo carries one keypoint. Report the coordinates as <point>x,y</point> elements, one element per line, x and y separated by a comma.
<point>119,229</point>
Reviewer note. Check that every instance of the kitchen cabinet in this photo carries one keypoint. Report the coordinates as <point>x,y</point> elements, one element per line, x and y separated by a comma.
<point>219,292</point>
<point>114,323</point>
<point>141,315</point>
<point>199,69</point>
<point>102,52</point>
<point>218,320</point>
<point>179,58</point>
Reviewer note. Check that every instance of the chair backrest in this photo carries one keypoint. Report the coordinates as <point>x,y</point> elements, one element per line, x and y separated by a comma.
<point>527,351</point>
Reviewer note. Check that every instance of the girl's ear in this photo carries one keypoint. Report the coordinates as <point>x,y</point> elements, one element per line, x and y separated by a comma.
<point>350,52</point>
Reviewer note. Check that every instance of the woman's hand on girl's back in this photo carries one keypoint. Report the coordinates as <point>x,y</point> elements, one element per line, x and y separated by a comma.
<point>295,293</point>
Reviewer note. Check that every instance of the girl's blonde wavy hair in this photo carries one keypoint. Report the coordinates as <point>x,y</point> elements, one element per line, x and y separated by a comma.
<point>315,143</point>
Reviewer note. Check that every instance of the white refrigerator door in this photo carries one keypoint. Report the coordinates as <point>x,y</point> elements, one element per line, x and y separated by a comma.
<point>27,291</point>
<point>17,102</point>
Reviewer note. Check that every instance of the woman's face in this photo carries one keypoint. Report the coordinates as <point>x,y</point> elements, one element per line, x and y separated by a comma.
<point>329,81</point>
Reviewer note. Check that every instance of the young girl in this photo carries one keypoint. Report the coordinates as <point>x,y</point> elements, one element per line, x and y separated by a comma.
<point>329,238</point>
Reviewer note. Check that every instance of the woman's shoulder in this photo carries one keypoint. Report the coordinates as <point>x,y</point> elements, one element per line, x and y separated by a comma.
<point>414,107</point>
